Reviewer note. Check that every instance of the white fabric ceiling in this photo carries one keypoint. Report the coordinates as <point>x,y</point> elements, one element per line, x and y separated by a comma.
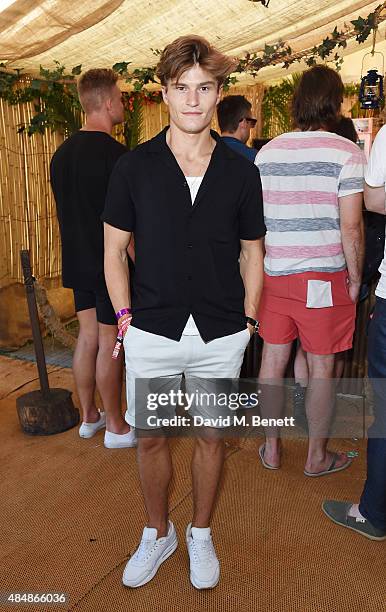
<point>102,32</point>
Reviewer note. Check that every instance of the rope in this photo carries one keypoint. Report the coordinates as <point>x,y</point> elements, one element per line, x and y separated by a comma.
<point>51,319</point>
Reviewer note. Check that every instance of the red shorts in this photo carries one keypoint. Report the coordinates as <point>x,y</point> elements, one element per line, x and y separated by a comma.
<point>284,316</point>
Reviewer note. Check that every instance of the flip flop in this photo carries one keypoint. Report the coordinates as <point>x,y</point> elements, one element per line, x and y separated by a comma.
<point>265,464</point>
<point>332,468</point>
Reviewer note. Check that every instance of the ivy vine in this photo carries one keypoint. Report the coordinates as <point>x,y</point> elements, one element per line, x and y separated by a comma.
<point>54,96</point>
<point>281,52</point>
<point>56,103</point>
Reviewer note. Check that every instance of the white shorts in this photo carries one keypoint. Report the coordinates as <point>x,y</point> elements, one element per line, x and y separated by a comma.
<point>149,356</point>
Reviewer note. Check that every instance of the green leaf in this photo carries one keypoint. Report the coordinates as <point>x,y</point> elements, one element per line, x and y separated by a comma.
<point>269,50</point>
<point>359,23</point>
<point>121,67</point>
<point>311,61</point>
<point>76,70</point>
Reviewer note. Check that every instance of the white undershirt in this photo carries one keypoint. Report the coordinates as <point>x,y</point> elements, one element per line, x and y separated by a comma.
<point>194,183</point>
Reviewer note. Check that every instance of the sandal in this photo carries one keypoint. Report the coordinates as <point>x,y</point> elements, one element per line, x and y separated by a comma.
<point>268,466</point>
<point>332,468</point>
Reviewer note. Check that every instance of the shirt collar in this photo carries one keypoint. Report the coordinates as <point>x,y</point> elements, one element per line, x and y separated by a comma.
<point>158,145</point>
<point>231,138</point>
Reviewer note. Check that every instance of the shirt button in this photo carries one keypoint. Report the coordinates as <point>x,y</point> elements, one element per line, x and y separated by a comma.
<point>185,184</point>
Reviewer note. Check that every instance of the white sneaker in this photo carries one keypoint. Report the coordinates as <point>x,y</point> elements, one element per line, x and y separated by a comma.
<point>127,440</point>
<point>204,565</point>
<point>146,560</point>
<point>88,430</point>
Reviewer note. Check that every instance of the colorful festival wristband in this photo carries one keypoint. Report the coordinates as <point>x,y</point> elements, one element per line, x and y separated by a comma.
<point>117,347</point>
<point>121,333</point>
<point>124,324</point>
<point>122,312</point>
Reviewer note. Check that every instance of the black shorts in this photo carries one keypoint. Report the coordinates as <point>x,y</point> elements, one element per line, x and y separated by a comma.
<point>98,299</point>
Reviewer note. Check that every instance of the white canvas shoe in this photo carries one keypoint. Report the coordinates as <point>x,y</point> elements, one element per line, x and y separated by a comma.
<point>127,440</point>
<point>88,430</point>
<point>151,552</point>
<point>204,565</point>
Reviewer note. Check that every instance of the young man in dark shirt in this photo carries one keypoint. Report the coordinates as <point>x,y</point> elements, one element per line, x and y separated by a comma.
<point>80,171</point>
<point>195,207</point>
<point>236,121</point>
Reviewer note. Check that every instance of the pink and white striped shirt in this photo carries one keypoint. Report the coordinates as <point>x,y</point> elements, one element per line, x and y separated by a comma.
<point>303,174</point>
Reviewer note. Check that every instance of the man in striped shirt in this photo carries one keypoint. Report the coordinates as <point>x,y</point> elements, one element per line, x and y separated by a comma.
<point>312,190</point>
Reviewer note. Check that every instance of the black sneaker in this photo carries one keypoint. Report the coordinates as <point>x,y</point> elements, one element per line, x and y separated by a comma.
<point>337,512</point>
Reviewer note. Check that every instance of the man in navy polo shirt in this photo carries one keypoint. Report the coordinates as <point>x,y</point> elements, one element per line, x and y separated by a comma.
<point>195,207</point>
<point>236,121</point>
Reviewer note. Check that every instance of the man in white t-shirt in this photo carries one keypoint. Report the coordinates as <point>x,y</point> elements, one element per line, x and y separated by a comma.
<point>369,516</point>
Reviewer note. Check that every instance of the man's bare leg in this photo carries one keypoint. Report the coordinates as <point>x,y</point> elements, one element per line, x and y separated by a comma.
<point>84,363</point>
<point>340,362</point>
<point>273,365</point>
<point>109,379</point>
<point>206,467</point>
<point>301,367</point>
<point>319,408</point>
<point>155,472</point>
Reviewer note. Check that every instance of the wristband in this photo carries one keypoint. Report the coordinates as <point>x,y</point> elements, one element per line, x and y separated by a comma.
<point>122,312</point>
<point>122,329</point>
<point>254,323</point>
<point>117,347</point>
<point>123,325</point>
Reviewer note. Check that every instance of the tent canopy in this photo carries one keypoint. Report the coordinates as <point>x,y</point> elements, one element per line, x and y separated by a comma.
<point>102,32</point>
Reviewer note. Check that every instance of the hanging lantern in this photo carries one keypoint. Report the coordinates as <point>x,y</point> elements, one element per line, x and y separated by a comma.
<point>371,90</point>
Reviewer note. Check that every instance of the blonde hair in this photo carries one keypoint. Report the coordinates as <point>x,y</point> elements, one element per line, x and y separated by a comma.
<point>94,86</point>
<point>191,50</point>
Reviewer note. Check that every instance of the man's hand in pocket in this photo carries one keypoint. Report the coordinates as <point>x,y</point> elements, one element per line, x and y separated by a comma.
<point>353,290</point>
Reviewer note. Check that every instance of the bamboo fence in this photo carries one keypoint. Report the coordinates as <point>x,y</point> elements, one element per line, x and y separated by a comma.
<point>27,212</point>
